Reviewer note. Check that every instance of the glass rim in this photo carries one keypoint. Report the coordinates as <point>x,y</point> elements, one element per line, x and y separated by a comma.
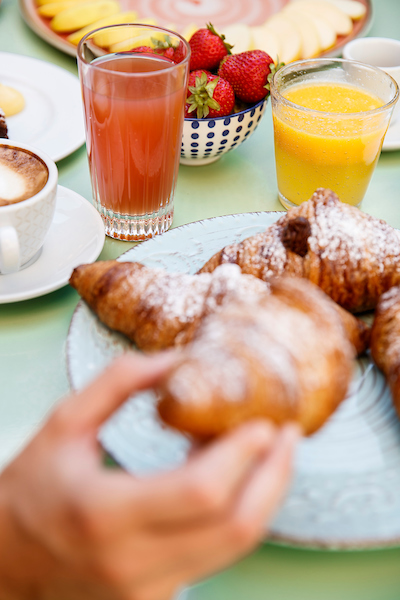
<point>276,94</point>
<point>136,26</point>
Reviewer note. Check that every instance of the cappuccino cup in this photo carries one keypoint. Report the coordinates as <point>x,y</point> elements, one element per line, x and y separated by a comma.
<point>28,187</point>
<point>380,52</point>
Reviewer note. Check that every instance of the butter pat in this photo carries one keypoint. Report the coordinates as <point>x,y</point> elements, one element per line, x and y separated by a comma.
<point>11,101</point>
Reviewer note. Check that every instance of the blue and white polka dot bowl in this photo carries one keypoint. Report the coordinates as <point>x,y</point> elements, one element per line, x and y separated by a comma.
<point>206,140</point>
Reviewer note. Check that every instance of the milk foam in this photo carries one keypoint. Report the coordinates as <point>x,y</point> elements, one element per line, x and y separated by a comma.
<point>22,175</point>
<point>12,184</point>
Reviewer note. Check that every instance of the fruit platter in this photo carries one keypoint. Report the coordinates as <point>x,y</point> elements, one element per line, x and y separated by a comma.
<point>290,29</point>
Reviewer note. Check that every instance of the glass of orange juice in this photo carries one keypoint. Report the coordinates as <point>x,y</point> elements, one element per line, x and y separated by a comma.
<point>134,80</point>
<point>330,118</point>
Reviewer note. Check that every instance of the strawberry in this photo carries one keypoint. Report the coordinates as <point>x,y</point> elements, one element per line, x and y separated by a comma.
<point>249,73</point>
<point>208,49</point>
<point>166,49</point>
<point>211,96</point>
<point>179,53</point>
<point>194,74</point>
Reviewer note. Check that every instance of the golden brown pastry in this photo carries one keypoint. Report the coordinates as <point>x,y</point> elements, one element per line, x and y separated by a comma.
<point>154,308</point>
<point>350,255</point>
<point>385,341</point>
<point>288,360</point>
<point>157,309</point>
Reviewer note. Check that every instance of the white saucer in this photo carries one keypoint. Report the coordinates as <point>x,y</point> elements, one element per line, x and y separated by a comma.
<point>76,236</point>
<point>392,137</point>
<point>52,119</point>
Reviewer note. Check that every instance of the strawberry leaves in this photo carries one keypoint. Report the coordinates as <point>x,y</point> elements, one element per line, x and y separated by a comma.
<point>201,97</point>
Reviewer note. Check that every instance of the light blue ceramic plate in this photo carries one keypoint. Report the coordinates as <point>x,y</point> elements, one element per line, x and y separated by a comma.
<point>346,488</point>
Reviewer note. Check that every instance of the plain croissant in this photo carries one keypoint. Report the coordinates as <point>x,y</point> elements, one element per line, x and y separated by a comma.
<point>353,257</point>
<point>157,309</point>
<point>289,360</point>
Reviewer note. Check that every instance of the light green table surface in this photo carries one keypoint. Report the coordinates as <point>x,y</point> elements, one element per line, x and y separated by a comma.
<point>33,335</point>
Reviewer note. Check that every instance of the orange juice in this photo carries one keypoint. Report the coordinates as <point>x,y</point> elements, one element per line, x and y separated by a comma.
<point>336,145</point>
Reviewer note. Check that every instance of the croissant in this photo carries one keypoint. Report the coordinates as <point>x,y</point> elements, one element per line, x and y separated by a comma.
<point>385,341</point>
<point>157,309</point>
<point>353,257</point>
<point>289,360</point>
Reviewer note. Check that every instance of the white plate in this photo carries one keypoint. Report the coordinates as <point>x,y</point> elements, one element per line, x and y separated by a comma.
<point>52,119</point>
<point>76,236</point>
<point>392,137</point>
<point>346,489</point>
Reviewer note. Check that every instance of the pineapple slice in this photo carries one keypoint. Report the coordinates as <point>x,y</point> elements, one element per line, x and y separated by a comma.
<point>127,17</point>
<point>109,39</point>
<point>83,14</point>
<point>51,10</point>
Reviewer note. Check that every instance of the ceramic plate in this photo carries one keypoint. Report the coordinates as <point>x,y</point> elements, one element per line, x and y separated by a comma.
<point>52,119</point>
<point>178,15</point>
<point>392,137</point>
<point>76,236</point>
<point>345,492</point>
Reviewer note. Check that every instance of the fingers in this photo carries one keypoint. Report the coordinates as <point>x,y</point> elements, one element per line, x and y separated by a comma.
<point>207,482</point>
<point>196,549</point>
<point>213,546</point>
<point>261,497</point>
<point>128,374</point>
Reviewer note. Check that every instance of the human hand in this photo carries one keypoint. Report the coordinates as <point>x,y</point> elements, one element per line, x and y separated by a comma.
<point>72,529</point>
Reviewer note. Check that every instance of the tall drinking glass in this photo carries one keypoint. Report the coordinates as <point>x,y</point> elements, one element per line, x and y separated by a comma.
<point>134,80</point>
<point>330,119</point>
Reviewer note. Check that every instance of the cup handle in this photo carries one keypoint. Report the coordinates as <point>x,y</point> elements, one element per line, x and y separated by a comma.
<point>9,250</point>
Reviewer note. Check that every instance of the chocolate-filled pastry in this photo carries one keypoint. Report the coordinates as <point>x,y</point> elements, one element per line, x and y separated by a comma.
<point>157,309</point>
<point>385,341</point>
<point>350,255</point>
<point>288,360</point>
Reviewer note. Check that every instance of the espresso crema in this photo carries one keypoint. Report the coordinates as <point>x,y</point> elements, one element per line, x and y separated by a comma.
<point>22,175</point>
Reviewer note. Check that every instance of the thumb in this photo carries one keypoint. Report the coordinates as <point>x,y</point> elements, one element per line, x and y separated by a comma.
<point>128,374</point>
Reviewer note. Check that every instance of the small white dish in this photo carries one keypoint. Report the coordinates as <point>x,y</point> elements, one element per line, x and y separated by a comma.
<point>392,137</point>
<point>52,119</point>
<point>76,236</point>
<point>383,53</point>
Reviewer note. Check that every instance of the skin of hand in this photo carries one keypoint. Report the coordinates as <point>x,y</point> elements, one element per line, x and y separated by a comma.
<point>72,529</point>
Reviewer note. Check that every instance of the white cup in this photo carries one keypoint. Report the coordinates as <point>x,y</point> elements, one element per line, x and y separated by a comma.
<point>378,52</point>
<point>24,225</point>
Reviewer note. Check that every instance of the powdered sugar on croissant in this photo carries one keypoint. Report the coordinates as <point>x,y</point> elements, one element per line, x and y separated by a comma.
<point>286,361</point>
<point>157,309</point>
<point>352,256</point>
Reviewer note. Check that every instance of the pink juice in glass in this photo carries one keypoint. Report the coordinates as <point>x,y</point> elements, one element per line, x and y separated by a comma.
<point>134,118</point>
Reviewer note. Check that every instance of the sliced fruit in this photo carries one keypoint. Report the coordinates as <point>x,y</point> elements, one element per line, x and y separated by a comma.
<point>339,20</point>
<point>83,14</point>
<point>127,17</point>
<point>135,41</point>
<point>107,39</point>
<point>327,35</point>
<point>310,44</point>
<point>190,30</point>
<point>239,35</point>
<point>355,10</point>
<point>265,39</point>
<point>44,2</point>
<point>289,37</point>
<point>51,10</point>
